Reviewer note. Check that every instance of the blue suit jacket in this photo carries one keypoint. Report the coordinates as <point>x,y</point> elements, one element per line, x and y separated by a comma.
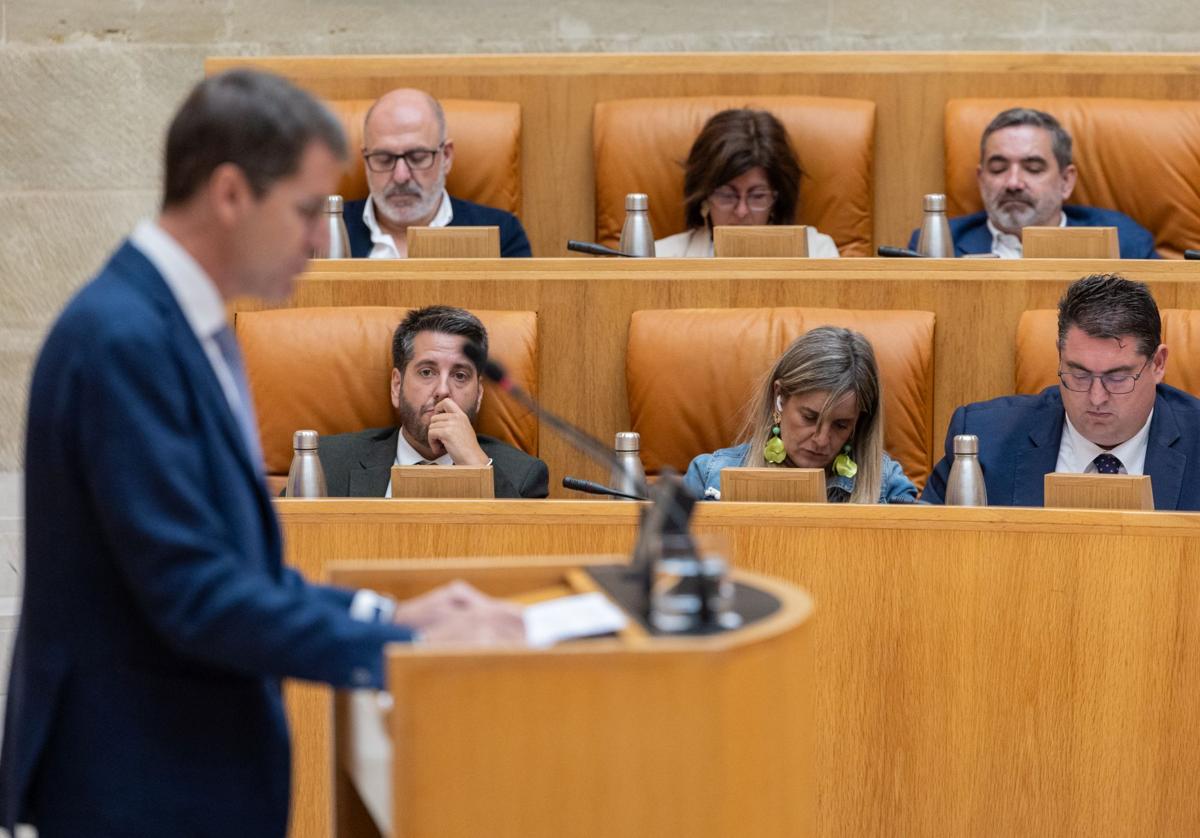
<point>971,234</point>
<point>158,617</point>
<point>1019,438</point>
<point>513,241</point>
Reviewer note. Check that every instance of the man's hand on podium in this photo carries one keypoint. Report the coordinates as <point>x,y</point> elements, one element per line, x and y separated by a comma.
<point>459,613</point>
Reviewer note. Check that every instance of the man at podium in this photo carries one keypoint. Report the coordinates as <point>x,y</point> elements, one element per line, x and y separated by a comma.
<point>158,619</point>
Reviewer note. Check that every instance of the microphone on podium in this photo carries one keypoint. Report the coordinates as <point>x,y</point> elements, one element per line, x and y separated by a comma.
<point>668,519</point>
<point>904,252</point>
<point>594,249</point>
<point>575,484</point>
<point>1191,254</point>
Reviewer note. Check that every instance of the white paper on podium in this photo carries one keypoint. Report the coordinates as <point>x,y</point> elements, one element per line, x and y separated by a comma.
<point>583,615</point>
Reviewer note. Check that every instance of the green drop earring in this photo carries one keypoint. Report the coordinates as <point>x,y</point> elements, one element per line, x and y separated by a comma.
<point>773,451</point>
<point>843,465</point>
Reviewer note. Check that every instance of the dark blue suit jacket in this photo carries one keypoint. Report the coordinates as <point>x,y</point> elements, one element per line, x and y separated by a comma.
<point>513,241</point>
<point>1019,438</point>
<point>158,618</point>
<point>971,234</point>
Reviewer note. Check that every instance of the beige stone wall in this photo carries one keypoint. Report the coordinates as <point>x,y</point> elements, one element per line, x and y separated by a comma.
<point>86,87</point>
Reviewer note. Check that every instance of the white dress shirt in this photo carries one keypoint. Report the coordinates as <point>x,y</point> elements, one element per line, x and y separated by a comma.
<point>406,455</point>
<point>1076,453</point>
<point>196,295</point>
<point>1008,246</point>
<point>383,245</point>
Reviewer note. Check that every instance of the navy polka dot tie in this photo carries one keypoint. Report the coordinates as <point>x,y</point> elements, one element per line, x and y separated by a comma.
<point>1107,464</point>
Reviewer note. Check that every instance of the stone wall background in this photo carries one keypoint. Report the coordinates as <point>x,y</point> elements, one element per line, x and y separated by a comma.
<point>87,86</point>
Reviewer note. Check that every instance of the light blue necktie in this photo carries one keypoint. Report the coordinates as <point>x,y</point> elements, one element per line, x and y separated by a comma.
<point>244,411</point>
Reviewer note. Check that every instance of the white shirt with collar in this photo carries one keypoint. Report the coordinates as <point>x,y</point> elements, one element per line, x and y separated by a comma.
<point>1008,246</point>
<point>383,245</point>
<point>1076,453</point>
<point>204,310</point>
<point>196,294</point>
<point>406,455</point>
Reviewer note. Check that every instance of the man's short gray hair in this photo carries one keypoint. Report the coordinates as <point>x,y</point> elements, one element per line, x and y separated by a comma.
<point>1060,140</point>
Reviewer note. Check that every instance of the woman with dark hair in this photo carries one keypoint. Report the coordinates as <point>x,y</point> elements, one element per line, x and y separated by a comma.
<point>820,406</point>
<point>741,170</point>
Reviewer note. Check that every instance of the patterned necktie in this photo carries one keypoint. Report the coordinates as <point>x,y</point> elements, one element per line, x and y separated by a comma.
<point>425,463</point>
<point>244,410</point>
<point>1107,464</point>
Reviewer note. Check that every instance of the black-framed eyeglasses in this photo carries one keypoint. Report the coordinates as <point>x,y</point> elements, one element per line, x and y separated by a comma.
<point>417,159</point>
<point>1114,383</point>
<point>757,200</point>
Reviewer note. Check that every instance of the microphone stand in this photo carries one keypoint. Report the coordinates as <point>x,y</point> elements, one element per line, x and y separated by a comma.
<point>669,516</point>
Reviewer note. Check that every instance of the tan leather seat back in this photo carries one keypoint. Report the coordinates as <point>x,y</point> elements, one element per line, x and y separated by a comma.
<point>640,145</point>
<point>1037,349</point>
<point>487,150</point>
<point>1138,156</point>
<point>692,374</point>
<point>329,369</point>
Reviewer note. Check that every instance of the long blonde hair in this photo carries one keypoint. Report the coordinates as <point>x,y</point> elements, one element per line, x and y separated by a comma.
<point>837,361</point>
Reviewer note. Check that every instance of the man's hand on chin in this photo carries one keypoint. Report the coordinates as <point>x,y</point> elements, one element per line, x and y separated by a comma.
<point>450,428</point>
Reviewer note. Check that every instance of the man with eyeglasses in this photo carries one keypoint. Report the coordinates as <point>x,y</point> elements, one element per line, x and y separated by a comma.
<point>1109,414</point>
<point>407,157</point>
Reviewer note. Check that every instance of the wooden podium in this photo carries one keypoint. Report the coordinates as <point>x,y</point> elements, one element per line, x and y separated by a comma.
<point>630,735</point>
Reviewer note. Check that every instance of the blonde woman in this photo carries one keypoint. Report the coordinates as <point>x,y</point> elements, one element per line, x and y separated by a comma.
<point>819,407</point>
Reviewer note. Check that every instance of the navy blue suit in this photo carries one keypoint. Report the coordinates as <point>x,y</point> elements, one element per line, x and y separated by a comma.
<point>158,618</point>
<point>1019,438</point>
<point>513,241</point>
<point>971,234</point>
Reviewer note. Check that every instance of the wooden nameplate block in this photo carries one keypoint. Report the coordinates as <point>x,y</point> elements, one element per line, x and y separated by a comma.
<point>1099,491</point>
<point>1070,243</point>
<point>761,240</point>
<point>453,242</point>
<point>773,485</point>
<point>443,482</point>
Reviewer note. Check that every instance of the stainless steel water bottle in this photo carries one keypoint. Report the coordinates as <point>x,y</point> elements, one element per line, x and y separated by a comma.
<point>935,237</point>
<point>339,239</point>
<point>306,478</point>
<point>628,474</point>
<point>965,486</point>
<point>637,239</point>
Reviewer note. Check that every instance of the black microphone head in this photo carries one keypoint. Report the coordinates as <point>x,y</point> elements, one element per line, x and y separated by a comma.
<point>475,352</point>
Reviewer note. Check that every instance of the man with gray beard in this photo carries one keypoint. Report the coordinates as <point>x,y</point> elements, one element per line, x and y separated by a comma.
<point>1025,174</point>
<point>407,156</point>
<point>436,392</point>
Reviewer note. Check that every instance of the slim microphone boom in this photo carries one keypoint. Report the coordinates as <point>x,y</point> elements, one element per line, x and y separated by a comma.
<point>591,488</point>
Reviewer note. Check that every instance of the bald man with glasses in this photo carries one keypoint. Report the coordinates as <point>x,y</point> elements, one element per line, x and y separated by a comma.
<point>407,157</point>
<point>1109,414</point>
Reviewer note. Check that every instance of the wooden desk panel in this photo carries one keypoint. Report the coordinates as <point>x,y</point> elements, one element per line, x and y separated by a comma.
<point>558,92</point>
<point>979,671</point>
<point>584,308</point>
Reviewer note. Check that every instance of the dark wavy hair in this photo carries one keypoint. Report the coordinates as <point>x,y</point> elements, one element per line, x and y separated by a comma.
<point>1111,306</point>
<point>732,143</point>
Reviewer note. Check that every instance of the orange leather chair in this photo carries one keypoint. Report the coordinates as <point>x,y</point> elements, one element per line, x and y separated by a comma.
<point>1037,357</point>
<point>1138,156</point>
<point>691,375</point>
<point>640,145</point>
<point>487,150</point>
<point>329,369</point>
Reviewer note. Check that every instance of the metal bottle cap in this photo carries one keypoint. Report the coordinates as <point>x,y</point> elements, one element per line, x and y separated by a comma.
<point>628,441</point>
<point>333,203</point>
<point>935,203</point>
<point>966,444</point>
<point>305,440</point>
<point>637,201</point>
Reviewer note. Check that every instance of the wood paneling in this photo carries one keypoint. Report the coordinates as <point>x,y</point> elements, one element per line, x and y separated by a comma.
<point>978,671</point>
<point>584,308</point>
<point>557,93</point>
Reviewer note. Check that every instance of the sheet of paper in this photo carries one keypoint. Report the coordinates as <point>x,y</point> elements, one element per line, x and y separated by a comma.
<point>583,615</point>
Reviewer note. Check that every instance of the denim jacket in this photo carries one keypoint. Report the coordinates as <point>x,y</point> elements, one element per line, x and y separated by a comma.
<point>703,478</point>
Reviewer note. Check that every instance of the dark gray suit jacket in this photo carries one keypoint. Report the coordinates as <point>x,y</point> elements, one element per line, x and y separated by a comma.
<point>359,465</point>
